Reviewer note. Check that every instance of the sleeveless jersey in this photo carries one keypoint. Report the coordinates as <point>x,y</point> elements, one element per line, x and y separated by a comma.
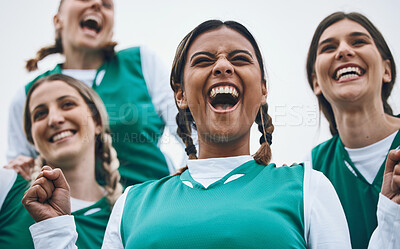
<point>358,197</point>
<point>135,125</point>
<point>90,222</point>
<point>261,209</point>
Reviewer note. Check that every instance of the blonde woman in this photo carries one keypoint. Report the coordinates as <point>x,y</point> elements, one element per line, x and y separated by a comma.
<point>67,123</point>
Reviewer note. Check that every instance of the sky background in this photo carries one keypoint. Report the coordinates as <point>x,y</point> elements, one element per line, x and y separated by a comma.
<point>283,30</point>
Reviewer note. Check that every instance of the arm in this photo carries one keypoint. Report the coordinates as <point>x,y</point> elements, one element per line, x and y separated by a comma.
<point>324,219</point>
<point>48,202</point>
<point>112,236</point>
<point>386,235</point>
<point>7,179</point>
<point>58,233</point>
<point>156,76</point>
<point>17,143</point>
<point>22,165</point>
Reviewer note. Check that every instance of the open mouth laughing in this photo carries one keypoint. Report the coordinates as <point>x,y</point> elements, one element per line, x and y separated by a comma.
<point>92,22</point>
<point>223,97</point>
<point>348,72</point>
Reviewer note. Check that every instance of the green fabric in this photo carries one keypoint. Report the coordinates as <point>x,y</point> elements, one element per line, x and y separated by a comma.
<point>358,197</point>
<point>91,227</point>
<point>15,221</point>
<point>262,209</point>
<point>135,125</point>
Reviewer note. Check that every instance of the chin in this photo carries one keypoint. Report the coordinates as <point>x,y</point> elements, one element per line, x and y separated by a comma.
<point>61,157</point>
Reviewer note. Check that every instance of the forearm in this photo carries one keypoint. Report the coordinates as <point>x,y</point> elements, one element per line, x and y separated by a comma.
<point>386,235</point>
<point>55,233</point>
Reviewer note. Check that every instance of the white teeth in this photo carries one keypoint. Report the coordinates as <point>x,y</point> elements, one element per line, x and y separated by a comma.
<point>348,76</point>
<point>356,70</point>
<point>224,89</point>
<point>93,18</point>
<point>62,135</point>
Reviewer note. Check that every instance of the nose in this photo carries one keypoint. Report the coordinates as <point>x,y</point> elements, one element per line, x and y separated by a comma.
<point>96,4</point>
<point>223,68</point>
<point>344,51</point>
<point>55,119</point>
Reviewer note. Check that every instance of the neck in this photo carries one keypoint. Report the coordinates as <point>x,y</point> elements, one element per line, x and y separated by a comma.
<point>83,59</point>
<point>360,127</point>
<point>81,179</point>
<point>210,149</point>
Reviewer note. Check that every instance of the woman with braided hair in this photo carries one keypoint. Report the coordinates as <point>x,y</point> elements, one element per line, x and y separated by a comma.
<point>225,198</point>
<point>133,84</point>
<point>67,123</point>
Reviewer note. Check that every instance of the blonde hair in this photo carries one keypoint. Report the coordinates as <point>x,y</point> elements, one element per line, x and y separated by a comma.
<point>104,151</point>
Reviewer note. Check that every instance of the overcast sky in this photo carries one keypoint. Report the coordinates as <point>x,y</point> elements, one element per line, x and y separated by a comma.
<point>282,28</point>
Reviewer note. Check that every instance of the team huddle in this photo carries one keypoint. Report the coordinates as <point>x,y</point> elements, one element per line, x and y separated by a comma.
<point>86,169</point>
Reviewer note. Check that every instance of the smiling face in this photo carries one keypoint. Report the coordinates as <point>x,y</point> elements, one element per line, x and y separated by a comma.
<point>348,66</point>
<point>85,24</point>
<point>223,86</point>
<point>62,126</point>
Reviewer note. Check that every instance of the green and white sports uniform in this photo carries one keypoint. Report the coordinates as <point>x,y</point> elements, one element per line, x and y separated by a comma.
<point>134,86</point>
<point>91,221</point>
<point>357,184</point>
<point>224,203</point>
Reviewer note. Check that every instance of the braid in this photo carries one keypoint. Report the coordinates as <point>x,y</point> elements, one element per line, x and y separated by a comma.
<point>265,126</point>
<point>184,120</point>
<point>110,165</point>
<point>32,64</point>
<point>37,167</point>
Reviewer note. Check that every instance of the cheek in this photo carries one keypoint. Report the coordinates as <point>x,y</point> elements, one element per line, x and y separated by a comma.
<point>322,66</point>
<point>37,135</point>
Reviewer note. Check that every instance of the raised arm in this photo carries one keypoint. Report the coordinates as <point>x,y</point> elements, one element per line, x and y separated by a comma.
<point>48,197</point>
<point>48,202</point>
<point>386,235</point>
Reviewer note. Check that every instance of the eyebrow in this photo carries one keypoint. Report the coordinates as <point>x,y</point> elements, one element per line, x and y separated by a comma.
<point>353,34</point>
<point>200,53</point>
<point>237,51</point>
<point>57,100</point>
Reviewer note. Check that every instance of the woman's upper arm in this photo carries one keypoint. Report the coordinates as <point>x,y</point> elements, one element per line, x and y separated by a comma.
<point>326,222</point>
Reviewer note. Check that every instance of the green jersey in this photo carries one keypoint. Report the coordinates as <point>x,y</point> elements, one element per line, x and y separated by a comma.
<point>263,208</point>
<point>135,125</point>
<point>15,221</point>
<point>359,198</point>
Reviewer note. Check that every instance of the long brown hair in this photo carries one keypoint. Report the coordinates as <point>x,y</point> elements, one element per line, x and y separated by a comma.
<point>380,43</point>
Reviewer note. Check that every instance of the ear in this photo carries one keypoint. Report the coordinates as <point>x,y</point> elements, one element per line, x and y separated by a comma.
<point>98,129</point>
<point>317,88</point>
<point>57,22</point>
<point>264,92</point>
<point>387,73</point>
<point>180,97</point>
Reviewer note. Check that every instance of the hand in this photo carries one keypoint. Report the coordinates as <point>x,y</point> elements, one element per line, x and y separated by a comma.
<point>22,165</point>
<point>391,177</point>
<point>49,196</point>
<point>290,165</point>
